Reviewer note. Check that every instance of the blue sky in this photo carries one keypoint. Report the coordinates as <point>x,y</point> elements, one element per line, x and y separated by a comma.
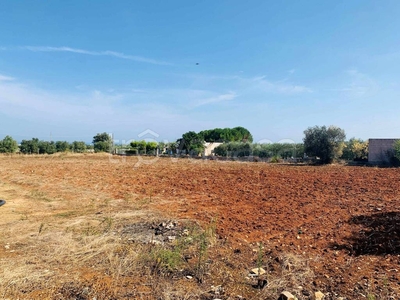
<point>71,69</point>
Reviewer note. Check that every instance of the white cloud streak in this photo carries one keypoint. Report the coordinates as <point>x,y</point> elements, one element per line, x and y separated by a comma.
<point>216,99</point>
<point>361,85</point>
<point>6,78</point>
<point>96,53</point>
<point>268,86</point>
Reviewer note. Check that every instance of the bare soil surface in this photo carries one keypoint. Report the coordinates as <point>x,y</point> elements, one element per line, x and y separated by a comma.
<point>344,222</point>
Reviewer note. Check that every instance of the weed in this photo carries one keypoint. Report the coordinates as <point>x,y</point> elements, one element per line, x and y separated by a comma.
<point>66,214</point>
<point>38,195</point>
<point>260,256</point>
<point>162,260</point>
<point>41,227</point>
<point>204,240</point>
<point>107,222</point>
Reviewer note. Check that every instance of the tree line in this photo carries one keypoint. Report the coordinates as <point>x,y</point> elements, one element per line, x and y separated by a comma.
<point>325,143</point>
<point>102,142</point>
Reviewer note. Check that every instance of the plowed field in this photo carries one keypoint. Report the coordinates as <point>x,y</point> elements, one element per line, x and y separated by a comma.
<point>344,221</point>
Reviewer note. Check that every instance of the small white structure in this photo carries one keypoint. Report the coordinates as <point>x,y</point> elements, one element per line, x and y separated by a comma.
<point>209,148</point>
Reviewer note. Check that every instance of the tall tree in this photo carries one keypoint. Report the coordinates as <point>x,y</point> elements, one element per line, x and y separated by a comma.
<point>102,142</point>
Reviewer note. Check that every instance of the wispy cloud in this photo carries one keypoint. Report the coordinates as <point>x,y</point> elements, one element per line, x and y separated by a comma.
<point>216,99</point>
<point>96,53</point>
<point>243,85</point>
<point>278,87</point>
<point>360,85</point>
<point>6,78</point>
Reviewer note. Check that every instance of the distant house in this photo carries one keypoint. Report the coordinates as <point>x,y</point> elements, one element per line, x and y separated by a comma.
<point>209,148</point>
<point>379,150</point>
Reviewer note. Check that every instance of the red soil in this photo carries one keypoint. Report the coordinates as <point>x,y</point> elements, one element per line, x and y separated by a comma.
<point>345,220</point>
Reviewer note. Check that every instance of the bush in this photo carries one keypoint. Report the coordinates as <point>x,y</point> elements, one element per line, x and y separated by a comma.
<point>275,159</point>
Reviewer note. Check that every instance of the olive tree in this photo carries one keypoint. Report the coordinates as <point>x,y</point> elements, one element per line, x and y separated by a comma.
<point>326,143</point>
<point>8,145</point>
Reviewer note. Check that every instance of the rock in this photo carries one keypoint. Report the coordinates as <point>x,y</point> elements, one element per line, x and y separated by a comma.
<point>217,290</point>
<point>286,296</point>
<point>257,271</point>
<point>189,277</point>
<point>319,295</point>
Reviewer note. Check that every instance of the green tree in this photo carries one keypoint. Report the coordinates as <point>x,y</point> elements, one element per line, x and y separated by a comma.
<point>78,146</point>
<point>241,134</point>
<point>151,147</point>
<point>62,146</point>
<point>30,146</point>
<point>326,143</point>
<point>46,147</point>
<point>102,142</point>
<point>191,142</point>
<point>237,134</point>
<point>102,147</point>
<point>8,145</point>
<point>140,147</point>
<point>355,149</point>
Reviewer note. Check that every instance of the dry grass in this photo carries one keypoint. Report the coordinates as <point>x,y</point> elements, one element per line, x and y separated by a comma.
<point>65,243</point>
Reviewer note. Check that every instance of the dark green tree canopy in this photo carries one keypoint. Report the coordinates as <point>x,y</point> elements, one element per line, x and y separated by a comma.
<point>8,145</point>
<point>78,146</point>
<point>46,147</point>
<point>140,147</point>
<point>101,137</point>
<point>30,146</point>
<point>191,142</point>
<point>62,146</point>
<point>237,134</point>
<point>102,142</point>
<point>326,143</point>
